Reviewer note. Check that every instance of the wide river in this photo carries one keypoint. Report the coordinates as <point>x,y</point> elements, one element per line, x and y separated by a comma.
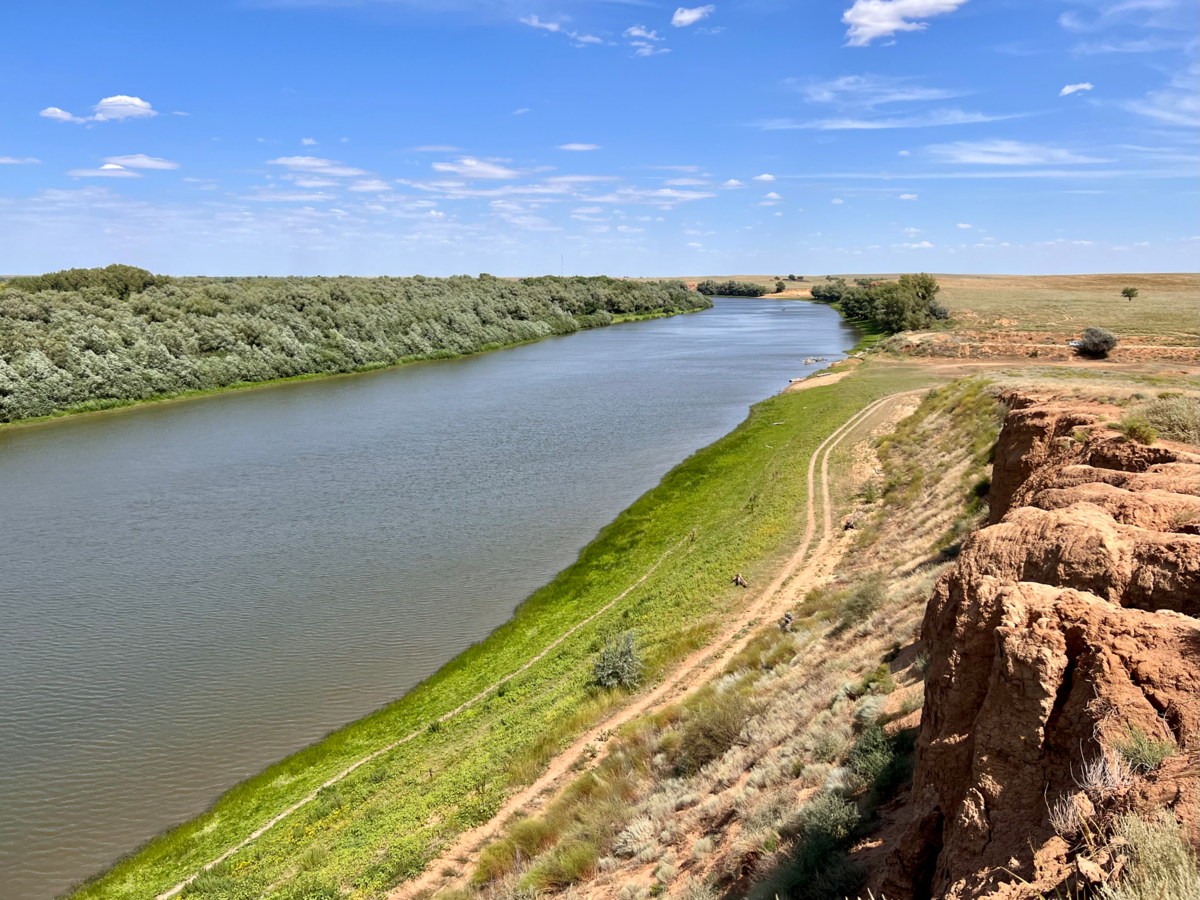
<point>190,591</point>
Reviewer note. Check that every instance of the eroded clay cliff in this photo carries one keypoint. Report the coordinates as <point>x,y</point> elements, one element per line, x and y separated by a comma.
<point>1067,625</point>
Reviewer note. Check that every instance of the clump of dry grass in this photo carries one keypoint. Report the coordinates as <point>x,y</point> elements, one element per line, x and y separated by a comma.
<point>1175,417</point>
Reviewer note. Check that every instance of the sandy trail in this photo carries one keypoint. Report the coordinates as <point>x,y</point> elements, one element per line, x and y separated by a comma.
<point>463,853</point>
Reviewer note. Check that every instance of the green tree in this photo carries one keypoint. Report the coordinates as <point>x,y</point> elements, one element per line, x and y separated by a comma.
<point>897,308</point>
<point>922,284</point>
<point>780,287</point>
<point>1129,293</point>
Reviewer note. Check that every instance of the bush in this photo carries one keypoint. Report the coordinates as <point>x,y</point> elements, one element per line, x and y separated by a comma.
<point>712,725</point>
<point>872,753</point>
<point>819,868</point>
<point>1176,417</point>
<point>829,292</point>
<point>1137,427</point>
<point>1142,752</point>
<point>1097,342</point>
<point>619,664</point>
<point>1162,866</point>
<point>730,288</point>
<point>865,598</point>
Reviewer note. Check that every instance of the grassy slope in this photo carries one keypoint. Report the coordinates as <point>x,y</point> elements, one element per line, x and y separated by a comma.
<point>743,496</point>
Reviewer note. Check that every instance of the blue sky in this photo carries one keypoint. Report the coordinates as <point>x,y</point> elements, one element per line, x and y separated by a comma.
<point>628,138</point>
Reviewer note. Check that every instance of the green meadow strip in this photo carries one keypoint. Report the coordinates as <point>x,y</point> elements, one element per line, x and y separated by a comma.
<point>737,505</point>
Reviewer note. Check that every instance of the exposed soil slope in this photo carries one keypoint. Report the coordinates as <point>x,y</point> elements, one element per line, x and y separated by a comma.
<point>1067,627</point>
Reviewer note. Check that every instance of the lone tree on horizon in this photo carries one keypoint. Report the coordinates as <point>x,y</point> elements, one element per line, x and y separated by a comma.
<point>1129,293</point>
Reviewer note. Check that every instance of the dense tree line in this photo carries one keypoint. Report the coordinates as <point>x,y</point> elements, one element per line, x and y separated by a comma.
<point>905,305</point>
<point>731,288</point>
<point>87,338</point>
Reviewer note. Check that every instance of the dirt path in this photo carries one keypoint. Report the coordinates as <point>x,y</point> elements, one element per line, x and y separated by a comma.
<point>461,856</point>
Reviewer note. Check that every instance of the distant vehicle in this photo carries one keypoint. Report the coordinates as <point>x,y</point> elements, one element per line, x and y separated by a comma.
<point>1075,344</point>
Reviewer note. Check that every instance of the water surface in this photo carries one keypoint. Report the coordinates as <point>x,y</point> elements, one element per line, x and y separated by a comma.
<point>191,591</point>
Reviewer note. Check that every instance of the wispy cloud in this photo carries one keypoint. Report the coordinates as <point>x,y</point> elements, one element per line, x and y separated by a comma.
<point>559,28</point>
<point>933,119</point>
<point>1075,88</point>
<point>521,111</point>
<point>141,161</point>
<point>641,31</point>
<point>908,196</point>
<point>868,91</point>
<point>108,170</point>
<point>18,161</point>
<point>578,147</point>
<point>871,19</point>
<point>437,148</point>
<point>1008,153</point>
<point>684,17</point>
<point>370,185</point>
<point>470,167</point>
<point>1177,104</point>
<point>110,109</point>
<point>317,166</point>
<point>764,177</point>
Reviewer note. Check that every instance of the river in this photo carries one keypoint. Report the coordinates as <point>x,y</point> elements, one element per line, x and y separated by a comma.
<point>193,590</point>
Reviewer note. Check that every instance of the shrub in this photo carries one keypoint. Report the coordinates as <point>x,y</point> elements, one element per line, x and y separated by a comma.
<point>819,869</point>
<point>780,287</point>
<point>1162,866</point>
<point>619,663</point>
<point>1137,428</point>
<point>1142,752</point>
<point>1175,417</point>
<point>864,599</point>
<point>711,727</point>
<point>1097,342</point>
<point>730,288</point>
<point>871,754</point>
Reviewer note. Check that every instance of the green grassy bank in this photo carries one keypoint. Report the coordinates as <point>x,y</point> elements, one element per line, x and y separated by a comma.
<point>736,505</point>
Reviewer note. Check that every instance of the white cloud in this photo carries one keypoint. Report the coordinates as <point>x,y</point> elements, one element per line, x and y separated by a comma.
<point>436,148</point>
<point>686,182</point>
<point>1072,88</point>
<point>521,111</point>
<point>122,107</point>
<point>963,225</point>
<point>932,119</point>
<point>732,183</point>
<point>1177,104</point>
<point>773,196</point>
<point>628,230</point>
<point>317,166</point>
<point>837,200</point>
<point>535,22</point>
<point>309,181</point>
<point>370,185</point>
<point>640,31</point>
<point>871,19</point>
<point>685,17</point>
<point>578,147</point>
<point>694,244</point>
<point>908,196</point>
<point>557,28</point>
<point>764,177</point>
<point>59,115</point>
<point>924,245</point>
<point>904,153</point>
<point>1008,153</point>
<point>141,161</point>
<point>108,170</point>
<point>642,48</point>
<point>308,142</point>
<point>14,161</point>
<point>869,91</point>
<point>470,167</point>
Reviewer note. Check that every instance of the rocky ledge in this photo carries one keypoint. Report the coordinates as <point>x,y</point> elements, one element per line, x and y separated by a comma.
<point>1067,627</point>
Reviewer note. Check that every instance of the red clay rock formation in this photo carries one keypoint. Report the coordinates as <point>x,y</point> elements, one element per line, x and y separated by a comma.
<point>1068,621</point>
